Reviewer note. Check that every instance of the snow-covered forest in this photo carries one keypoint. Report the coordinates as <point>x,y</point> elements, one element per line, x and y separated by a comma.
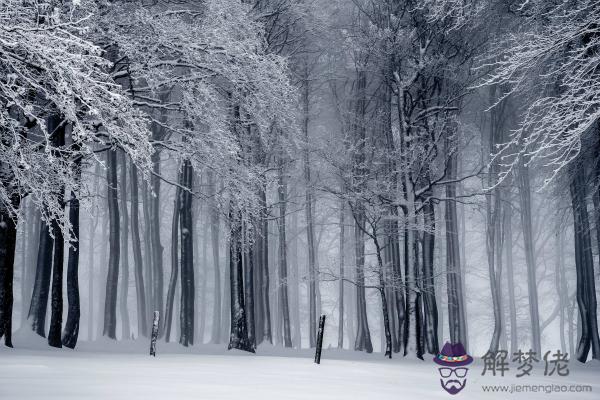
<point>418,171</point>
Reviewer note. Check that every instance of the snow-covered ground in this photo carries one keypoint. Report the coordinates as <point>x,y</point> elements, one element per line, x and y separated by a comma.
<point>109,371</point>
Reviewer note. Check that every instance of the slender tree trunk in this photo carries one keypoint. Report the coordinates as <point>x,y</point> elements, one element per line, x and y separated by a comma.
<point>283,275</point>
<point>384,302</point>
<point>148,261</point>
<point>264,280</point>
<point>559,281</point>
<point>8,239</point>
<point>201,279</point>
<point>142,311</point>
<point>112,279</point>
<point>525,203</point>
<point>214,231</point>
<point>249,289</point>
<point>157,248</point>
<point>71,331</point>
<point>455,285</point>
<point>124,288</point>
<point>174,262</point>
<point>514,341</point>
<point>56,303</point>
<point>341,275</point>
<point>295,284</point>
<point>41,286</point>
<point>188,294</point>
<point>310,235</point>
<point>429,301</point>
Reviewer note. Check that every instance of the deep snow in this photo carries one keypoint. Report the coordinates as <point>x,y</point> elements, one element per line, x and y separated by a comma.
<point>112,371</point>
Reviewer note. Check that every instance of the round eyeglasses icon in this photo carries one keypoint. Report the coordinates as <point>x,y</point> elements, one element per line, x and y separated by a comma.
<point>459,372</point>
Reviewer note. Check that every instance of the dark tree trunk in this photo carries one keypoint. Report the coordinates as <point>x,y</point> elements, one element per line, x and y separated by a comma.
<point>124,287</point>
<point>8,239</point>
<point>41,286</point>
<point>112,278</point>
<point>71,331</point>
<point>187,257</point>
<point>56,125</point>
<point>238,338</point>
<point>428,286</point>
<point>584,265</point>
<point>56,304</point>
<point>455,285</point>
<point>363,335</point>
<point>142,311</point>
<point>249,292</point>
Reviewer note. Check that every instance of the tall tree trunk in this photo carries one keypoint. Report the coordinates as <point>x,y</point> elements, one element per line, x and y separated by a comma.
<point>514,341</point>
<point>148,261</point>
<point>308,205</point>
<point>249,289</point>
<point>264,269</point>
<point>157,248</point>
<point>124,288</point>
<point>385,316</point>
<point>142,311</point>
<point>41,286</point>
<point>71,331</point>
<point>201,278</point>
<point>455,285</point>
<point>174,261</point>
<point>56,303</point>
<point>91,232</point>
<point>56,125</point>
<point>187,257</point>
<point>294,285</point>
<point>112,278</point>
<point>428,286</point>
<point>525,203</point>
<point>214,232</point>
<point>8,239</point>
<point>586,290</point>
<point>283,275</point>
<point>561,284</point>
<point>341,275</point>
<point>238,338</point>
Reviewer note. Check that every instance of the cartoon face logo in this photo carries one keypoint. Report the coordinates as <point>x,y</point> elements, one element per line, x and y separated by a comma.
<point>452,361</point>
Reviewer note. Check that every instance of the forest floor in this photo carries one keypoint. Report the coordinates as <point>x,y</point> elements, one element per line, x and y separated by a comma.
<point>124,371</point>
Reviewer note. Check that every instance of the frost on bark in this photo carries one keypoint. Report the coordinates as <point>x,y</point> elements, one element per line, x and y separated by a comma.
<point>154,335</point>
<point>238,337</point>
